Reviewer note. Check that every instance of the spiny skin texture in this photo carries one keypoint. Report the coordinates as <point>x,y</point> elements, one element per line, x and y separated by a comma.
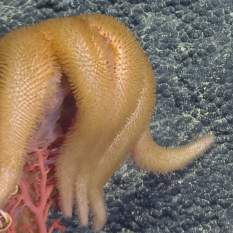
<point>113,85</point>
<point>25,73</point>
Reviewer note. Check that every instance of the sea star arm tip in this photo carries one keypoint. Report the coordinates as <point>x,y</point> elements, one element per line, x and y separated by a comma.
<point>154,158</point>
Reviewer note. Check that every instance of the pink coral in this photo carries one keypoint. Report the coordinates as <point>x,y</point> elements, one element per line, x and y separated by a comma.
<point>29,207</point>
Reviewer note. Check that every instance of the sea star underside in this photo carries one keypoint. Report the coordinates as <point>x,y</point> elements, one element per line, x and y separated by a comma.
<point>114,89</point>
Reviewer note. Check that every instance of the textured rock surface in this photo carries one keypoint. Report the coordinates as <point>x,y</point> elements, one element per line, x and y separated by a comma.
<point>188,43</point>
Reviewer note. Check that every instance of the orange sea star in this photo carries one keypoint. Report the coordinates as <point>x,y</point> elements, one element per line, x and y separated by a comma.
<point>113,86</point>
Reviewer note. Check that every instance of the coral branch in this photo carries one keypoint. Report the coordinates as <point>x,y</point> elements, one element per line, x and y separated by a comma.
<point>29,207</point>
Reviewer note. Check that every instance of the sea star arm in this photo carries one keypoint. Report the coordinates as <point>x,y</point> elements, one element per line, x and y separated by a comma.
<point>131,66</point>
<point>154,158</point>
<point>125,88</point>
<point>87,61</point>
<point>121,146</point>
<point>28,77</point>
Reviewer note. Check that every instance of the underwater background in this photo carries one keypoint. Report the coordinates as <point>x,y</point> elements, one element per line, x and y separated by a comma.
<point>189,45</point>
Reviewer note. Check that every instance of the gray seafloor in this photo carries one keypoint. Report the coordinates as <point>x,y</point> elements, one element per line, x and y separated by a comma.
<point>189,44</point>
